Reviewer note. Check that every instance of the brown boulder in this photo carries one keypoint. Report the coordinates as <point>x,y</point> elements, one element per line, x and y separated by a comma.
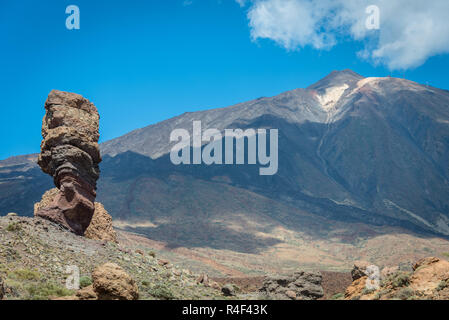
<point>111,282</point>
<point>70,154</point>
<point>305,286</point>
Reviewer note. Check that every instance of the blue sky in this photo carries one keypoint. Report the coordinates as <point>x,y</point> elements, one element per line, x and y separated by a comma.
<point>141,62</point>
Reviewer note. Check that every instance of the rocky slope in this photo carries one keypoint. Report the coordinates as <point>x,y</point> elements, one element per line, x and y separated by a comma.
<point>35,255</point>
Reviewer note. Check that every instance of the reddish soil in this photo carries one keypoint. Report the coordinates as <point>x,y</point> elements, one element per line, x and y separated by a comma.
<point>335,282</point>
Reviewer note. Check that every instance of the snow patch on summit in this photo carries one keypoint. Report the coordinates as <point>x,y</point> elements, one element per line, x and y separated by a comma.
<point>331,96</point>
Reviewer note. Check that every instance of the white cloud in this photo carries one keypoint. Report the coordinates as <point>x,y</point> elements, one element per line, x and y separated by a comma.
<point>410,31</point>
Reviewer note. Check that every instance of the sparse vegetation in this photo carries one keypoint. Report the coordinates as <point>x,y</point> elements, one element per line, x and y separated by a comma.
<point>368,290</point>
<point>443,284</point>
<point>13,227</point>
<point>338,296</point>
<point>85,281</point>
<point>24,274</point>
<point>145,283</point>
<point>397,280</point>
<point>381,294</point>
<point>161,291</point>
<point>404,294</point>
<point>46,290</point>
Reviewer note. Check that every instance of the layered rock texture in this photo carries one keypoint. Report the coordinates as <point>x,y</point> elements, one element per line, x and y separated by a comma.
<point>100,227</point>
<point>70,154</point>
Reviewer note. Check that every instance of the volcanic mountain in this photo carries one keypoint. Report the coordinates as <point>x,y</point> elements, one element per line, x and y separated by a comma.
<point>359,158</point>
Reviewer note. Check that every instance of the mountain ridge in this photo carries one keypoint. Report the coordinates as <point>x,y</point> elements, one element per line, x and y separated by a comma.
<point>355,153</point>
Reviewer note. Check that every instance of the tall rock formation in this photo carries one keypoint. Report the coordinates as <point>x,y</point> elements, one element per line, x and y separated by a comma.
<point>70,154</point>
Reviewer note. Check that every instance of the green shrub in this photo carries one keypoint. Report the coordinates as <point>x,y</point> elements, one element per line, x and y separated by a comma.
<point>13,226</point>
<point>145,283</point>
<point>44,291</point>
<point>24,274</point>
<point>85,281</point>
<point>404,293</point>
<point>400,279</point>
<point>152,253</point>
<point>381,293</point>
<point>162,292</point>
<point>442,285</point>
<point>338,296</point>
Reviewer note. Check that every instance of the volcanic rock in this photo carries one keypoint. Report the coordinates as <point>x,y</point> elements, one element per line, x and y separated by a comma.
<point>301,285</point>
<point>428,280</point>
<point>359,270</point>
<point>70,154</point>
<point>100,227</point>
<point>111,282</point>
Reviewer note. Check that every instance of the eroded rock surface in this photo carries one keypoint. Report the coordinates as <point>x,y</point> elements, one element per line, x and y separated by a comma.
<point>429,279</point>
<point>100,227</point>
<point>301,285</point>
<point>71,155</point>
<point>111,282</point>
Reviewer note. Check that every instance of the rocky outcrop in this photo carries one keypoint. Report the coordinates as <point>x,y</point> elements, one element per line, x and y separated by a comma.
<point>100,227</point>
<point>111,282</point>
<point>428,280</point>
<point>70,154</point>
<point>301,285</point>
<point>429,274</point>
<point>359,269</point>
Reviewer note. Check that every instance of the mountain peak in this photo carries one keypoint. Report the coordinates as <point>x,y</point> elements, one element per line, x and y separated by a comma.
<point>336,78</point>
